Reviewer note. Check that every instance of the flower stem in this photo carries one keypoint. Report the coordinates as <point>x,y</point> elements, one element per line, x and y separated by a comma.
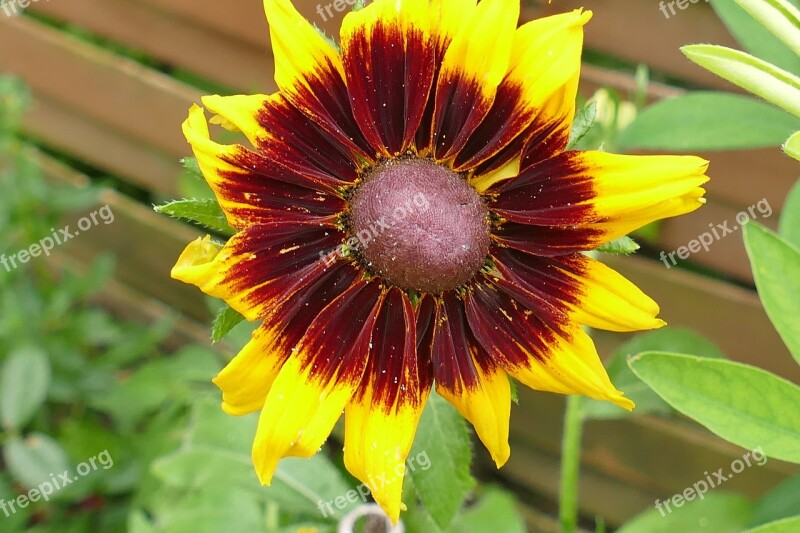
<point>570,463</point>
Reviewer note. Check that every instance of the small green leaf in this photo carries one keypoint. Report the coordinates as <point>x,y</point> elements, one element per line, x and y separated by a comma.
<point>582,124</point>
<point>743,404</point>
<point>780,502</point>
<point>443,439</point>
<point>32,460</point>
<point>750,73</point>
<point>792,146</point>
<point>676,340</point>
<point>708,121</point>
<point>23,386</point>
<point>781,18</point>
<point>192,167</point>
<point>787,525</point>
<point>776,269</point>
<point>718,512</point>
<point>789,226</point>
<point>205,212</point>
<point>622,246</point>
<point>227,319</point>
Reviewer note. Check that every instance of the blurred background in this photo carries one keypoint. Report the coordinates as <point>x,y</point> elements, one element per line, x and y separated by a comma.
<point>102,351</point>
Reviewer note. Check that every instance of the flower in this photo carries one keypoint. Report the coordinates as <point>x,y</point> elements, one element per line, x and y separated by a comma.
<point>408,217</point>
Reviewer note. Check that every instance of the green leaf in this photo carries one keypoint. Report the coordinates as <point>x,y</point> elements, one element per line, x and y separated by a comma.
<point>776,269</point>
<point>582,124</point>
<point>192,167</point>
<point>227,319</point>
<point>792,146</point>
<point>203,211</point>
<point>789,225</point>
<point>708,121</point>
<point>781,502</point>
<point>668,339</point>
<point>443,440</point>
<point>743,404</point>
<point>495,512</point>
<point>754,37</point>
<point>32,460</point>
<point>787,525</point>
<point>622,246</point>
<point>718,512</point>
<point>23,386</point>
<point>750,73</point>
<point>779,17</point>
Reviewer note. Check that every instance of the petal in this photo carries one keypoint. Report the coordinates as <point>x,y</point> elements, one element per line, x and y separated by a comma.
<point>247,379</point>
<point>255,189</point>
<point>470,379</point>
<point>389,64</point>
<point>260,266</point>
<point>382,418</point>
<point>607,193</point>
<point>309,72</point>
<point>318,380</point>
<point>583,288</point>
<point>288,137</point>
<point>546,56</point>
<point>547,357</point>
<point>473,66</point>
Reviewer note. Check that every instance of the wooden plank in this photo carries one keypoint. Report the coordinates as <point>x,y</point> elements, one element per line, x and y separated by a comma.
<point>173,39</point>
<point>145,243</point>
<point>146,105</point>
<point>730,316</point>
<point>81,137</point>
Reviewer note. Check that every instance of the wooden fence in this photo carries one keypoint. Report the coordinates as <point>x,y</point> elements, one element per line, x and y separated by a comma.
<point>122,116</point>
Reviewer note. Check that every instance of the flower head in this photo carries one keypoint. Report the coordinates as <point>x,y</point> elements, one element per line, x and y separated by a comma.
<point>408,217</point>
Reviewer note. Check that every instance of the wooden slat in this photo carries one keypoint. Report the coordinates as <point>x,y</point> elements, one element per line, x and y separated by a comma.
<point>81,137</point>
<point>173,39</point>
<point>144,104</point>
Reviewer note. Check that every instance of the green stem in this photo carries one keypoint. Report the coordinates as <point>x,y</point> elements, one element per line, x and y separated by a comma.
<point>570,463</point>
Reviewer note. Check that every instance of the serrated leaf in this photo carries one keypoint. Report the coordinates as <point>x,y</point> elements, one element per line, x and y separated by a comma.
<point>743,404</point>
<point>23,386</point>
<point>776,270</point>
<point>582,124</point>
<point>203,211</point>
<point>191,166</point>
<point>443,437</point>
<point>227,319</point>
<point>763,79</point>
<point>789,225</point>
<point>708,120</point>
<point>622,246</point>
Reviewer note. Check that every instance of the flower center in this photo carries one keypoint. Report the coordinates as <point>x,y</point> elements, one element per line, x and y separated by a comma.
<point>419,225</point>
